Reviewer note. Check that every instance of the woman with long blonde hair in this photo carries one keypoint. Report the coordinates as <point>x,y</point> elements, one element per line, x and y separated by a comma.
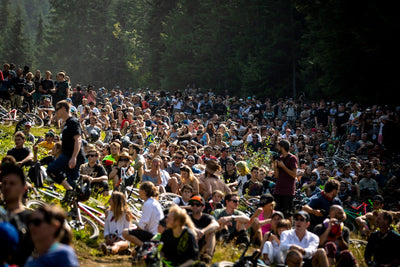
<point>187,177</point>
<point>244,175</point>
<point>180,245</point>
<point>118,218</point>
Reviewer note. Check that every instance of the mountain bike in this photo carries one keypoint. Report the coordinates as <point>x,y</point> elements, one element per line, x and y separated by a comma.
<point>18,116</point>
<point>353,210</point>
<point>132,197</point>
<point>77,221</point>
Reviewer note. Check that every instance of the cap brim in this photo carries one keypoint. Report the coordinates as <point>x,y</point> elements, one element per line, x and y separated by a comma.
<point>195,201</point>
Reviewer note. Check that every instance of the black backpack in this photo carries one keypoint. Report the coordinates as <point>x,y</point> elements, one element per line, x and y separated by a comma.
<point>37,174</point>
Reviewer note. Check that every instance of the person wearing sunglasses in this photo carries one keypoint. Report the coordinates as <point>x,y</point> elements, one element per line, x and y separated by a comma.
<point>95,173</point>
<point>123,170</point>
<point>232,222</point>
<point>304,241</point>
<point>51,237</point>
<point>48,142</point>
<point>174,171</point>
<point>205,227</point>
<point>72,156</point>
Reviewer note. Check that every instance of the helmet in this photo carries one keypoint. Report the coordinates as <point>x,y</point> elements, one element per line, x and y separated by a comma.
<point>83,190</point>
<point>94,137</point>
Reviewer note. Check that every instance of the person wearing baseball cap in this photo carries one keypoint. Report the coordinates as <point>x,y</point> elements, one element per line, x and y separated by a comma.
<point>205,226</point>
<point>367,222</point>
<point>48,142</point>
<point>304,241</point>
<point>27,131</point>
<point>261,219</point>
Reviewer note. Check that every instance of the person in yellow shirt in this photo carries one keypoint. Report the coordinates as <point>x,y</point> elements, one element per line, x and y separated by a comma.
<point>48,142</point>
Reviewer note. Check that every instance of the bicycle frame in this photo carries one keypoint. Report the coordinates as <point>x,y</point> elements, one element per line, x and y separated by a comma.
<point>98,216</point>
<point>363,205</point>
<point>9,115</point>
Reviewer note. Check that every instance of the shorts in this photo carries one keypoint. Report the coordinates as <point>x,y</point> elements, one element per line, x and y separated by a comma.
<point>142,235</point>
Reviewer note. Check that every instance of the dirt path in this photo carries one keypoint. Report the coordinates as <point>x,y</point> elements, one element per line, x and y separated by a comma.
<point>103,261</point>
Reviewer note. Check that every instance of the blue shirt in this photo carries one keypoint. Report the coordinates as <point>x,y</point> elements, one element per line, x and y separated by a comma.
<point>59,255</point>
<point>321,202</point>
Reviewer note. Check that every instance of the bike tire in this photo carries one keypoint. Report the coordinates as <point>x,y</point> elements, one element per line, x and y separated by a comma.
<point>167,196</point>
<point>34,204</point>
<point>88,226</point>
<point>358,241</point>
<point>351,225</point>
<point>37,121</point>
<point>6,122</point>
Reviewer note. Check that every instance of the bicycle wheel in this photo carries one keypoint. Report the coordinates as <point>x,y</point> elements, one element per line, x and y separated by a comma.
<point>167,196</point>
<point>357,247</point>
<point>85,228</point>
<point>34,204</point>
<point>35,119</point>
<point>136,208</point>
<point>351,225</point>
<point>5,120</point>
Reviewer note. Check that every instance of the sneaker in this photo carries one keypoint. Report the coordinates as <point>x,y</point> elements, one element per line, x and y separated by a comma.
<point>125,252</point>
<point>206,258</point>
<point>69,194</point>
<point>104,248</point>
<point>242,246</point>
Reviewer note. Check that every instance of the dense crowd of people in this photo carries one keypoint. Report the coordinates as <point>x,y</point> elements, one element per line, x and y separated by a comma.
<point>212,150</point>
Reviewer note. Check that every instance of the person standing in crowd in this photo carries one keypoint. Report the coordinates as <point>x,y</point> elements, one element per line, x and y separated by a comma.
<point>47,84</point>
<point>17,92</point>
<point>68,163</point>
<point>285,170</point>
<point>61,89</point>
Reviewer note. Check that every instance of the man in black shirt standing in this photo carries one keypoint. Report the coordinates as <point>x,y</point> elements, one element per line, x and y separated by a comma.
<point>65,169</point>
<point>18,84</point>
<point>23,155</point>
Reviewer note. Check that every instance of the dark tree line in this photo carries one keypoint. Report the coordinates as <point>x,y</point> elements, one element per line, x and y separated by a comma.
<point>340,49</point>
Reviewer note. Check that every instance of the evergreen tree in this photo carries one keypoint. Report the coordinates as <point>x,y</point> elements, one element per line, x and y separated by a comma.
<point>18,48</point>
<point>4,23</point>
